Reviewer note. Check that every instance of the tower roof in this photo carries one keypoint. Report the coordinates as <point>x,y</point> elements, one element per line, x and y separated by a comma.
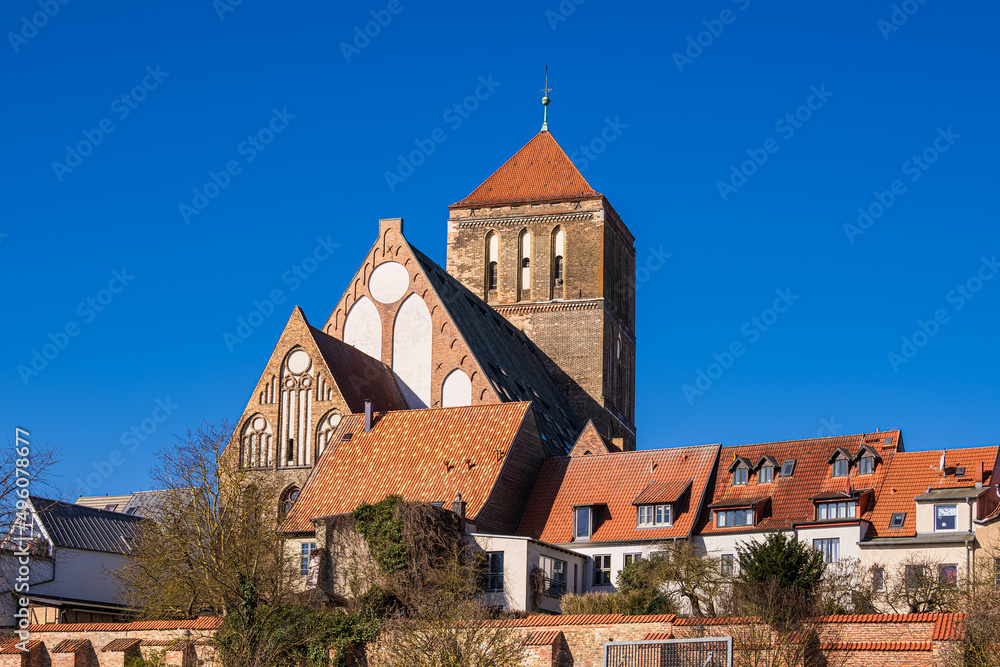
<point>540,171</point>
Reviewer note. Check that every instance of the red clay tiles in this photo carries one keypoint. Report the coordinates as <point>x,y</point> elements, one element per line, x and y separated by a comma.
<point>611,482</point>
<point>540,171</point>
<point>425,455</point>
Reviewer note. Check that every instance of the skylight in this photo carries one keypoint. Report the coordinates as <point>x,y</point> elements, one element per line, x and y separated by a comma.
<point>897,520</point>
<point>787,468</point>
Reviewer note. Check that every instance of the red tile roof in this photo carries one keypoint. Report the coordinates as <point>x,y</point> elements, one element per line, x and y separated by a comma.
<point>790,496</point>
<point>543,638</point>
<point>9,646</point>
<point>417,454</point>
<point>357,375</point>
<point>653,636</point>
<point>121,644</point>
<point>591,442</point>
<point>546,620</point>
<point>70,646</point>
<point>876,646</point>
<point>615,481</point>
<point>540,171</point>
<point>914,473</point>
<point>204,623</point>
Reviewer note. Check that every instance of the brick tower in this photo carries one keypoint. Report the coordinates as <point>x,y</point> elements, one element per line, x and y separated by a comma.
<point>551,255</point>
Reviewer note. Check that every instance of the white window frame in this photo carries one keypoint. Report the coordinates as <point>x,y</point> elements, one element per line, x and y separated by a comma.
<point>577,537</point>
<point>306,551</point>
<point>829,547</point>
<point>937,517</point>
<point>632,558</point>
<point>740,476</point>
<point>654,516</point>
<point>839,464</point>
<point>844,509</point>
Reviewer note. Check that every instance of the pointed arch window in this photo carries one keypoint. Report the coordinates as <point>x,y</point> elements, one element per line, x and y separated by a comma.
<point>558,267</point>
<point>525,245</point>
<point>492,260</point>
<point>288,499</point>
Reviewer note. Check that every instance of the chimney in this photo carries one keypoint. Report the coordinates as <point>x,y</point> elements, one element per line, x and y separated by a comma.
<point>368,414</point>
<point>458,507</point>
<point>979,474</point>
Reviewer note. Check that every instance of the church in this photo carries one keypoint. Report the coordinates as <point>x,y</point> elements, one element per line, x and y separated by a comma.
<point>503,386</point>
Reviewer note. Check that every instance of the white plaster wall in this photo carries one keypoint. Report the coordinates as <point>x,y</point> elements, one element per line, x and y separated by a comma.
<point>926,514</point>
<point>83,575</point>
<point>456,389</point>
<point>389,282</point>
<point>517,587</point>
<point>849,537</point>
<point>363,328</point>
<point>617,552</point>
<point>411,351</point>
<point>535,553</point>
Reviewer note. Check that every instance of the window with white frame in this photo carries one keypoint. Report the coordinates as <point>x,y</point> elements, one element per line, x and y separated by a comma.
<point>727,518</point>
<point>554,571</point>
<point>945,517</point>
<point>493,576</point>
<point>581,523</point>
<point>602,570</point>
<point>830,548</point>
<point>632,558</point>
<point>653,516</point>
<point>840,510</point>
<point>307,549</point>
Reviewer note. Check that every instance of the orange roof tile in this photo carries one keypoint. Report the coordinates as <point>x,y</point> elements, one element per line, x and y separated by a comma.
<point>204,623</point>
<point>546,620</point>
<point>653,636</point>
<point>121,644</point>
<point>540,171</point>
<point>9,646</point>
<point>790,497</point>
<point>543,638</point>
<point>417,454</point>
<point>71,646</point>
<point>914,473</point>
<point>876,646</point>
<point>615,480</point>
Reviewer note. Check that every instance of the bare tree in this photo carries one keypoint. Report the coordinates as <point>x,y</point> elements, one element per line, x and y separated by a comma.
<point>211,530</point>
<point>917,584</point>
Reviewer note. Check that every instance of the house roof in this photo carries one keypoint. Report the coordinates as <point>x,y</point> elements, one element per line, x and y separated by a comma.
<point>81,527</point>
<point>591,441</point>
<point>791,497</point>
<point>615,481</point>
<point>110,503</point>
<point>913,474</point>
<point>539,171</point>
<point>357,375</point>
<point>424,455</point>
<point>507,357</point>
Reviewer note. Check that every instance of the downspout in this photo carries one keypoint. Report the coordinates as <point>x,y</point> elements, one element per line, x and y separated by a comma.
<point>970,545</point>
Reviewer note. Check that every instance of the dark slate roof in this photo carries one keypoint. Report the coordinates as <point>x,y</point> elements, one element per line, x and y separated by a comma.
<point>357,375</point>
<point>508,358</point>
<point>81,527</point>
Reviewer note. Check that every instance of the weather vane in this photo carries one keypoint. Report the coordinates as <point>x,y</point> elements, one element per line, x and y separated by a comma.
<point>545,101</point>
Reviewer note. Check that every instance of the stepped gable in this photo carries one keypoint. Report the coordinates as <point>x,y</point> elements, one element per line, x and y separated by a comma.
<point>540,171</point>
<point>425,455</point>
<point>507,357</point>
<point>613,484</point>
<point>791,498</point>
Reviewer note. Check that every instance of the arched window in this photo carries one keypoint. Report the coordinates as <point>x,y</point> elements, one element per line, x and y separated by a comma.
<point>492,257</point>
<point>525,261</point>
<point>288,499</point>
<point>558,268</point>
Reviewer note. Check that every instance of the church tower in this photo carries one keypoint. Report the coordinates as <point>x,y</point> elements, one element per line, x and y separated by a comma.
<point>552,256</point>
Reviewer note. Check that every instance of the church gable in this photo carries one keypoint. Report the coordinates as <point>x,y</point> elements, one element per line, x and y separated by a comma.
<point>309,384</point>
<point>446,346</point>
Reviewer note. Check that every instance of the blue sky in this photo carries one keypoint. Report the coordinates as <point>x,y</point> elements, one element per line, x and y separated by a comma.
<point>748,134</point>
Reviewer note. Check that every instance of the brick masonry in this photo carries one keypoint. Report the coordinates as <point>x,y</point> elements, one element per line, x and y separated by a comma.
<point>910,640</point>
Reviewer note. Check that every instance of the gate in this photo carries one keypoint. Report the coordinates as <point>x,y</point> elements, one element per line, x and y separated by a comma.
<point>707,652</point>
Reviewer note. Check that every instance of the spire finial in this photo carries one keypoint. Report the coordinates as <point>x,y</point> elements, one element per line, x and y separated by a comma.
<point>545,101</point>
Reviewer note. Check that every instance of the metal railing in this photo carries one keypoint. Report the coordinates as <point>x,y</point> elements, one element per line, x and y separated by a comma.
<point>492,581</point>
<point>554,588</point>
<point>708,652</point>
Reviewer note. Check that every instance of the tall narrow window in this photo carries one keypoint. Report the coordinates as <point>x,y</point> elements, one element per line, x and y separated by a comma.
<point>558,269</point>
<point>525,264</point>
<point>492,258</point>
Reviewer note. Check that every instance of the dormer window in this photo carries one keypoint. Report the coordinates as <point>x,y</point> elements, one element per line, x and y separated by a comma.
<point>739,476</point>
<point>740,469</point>
<point>840,510</point>
<point>728,518</point>
<point>840,468</point>
<point>766,475</point>
<point>840,462</point>
<point>866,465</point>
<point>897,520</point>
<point>582,523</point>
<point>945,516</point>
<point>653,516</point>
